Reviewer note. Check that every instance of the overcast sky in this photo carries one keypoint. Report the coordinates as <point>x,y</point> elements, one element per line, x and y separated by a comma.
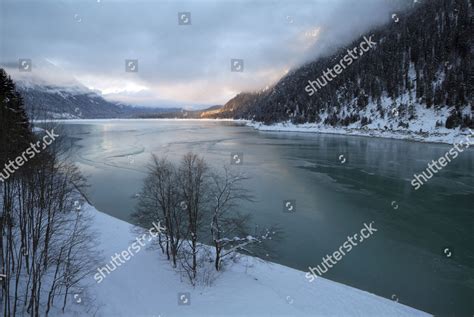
<point>88,41</point>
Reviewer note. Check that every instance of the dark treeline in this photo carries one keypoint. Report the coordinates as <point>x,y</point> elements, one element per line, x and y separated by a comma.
<point>45,248</point>
<point>426,55</point>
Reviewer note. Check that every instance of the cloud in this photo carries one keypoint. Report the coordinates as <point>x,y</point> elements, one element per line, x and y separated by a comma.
<point>88,43</point>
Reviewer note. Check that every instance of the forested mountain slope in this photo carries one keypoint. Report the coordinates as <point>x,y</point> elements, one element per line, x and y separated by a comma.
<point>419,70</point>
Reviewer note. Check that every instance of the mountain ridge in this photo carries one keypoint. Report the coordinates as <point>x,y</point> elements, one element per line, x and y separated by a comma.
<point>420,67</point>
<point>76,102</point>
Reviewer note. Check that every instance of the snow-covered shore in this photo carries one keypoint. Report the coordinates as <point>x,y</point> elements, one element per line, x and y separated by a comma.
<point>442,135</point>
<point>427,124</point>
<point>146,285</point>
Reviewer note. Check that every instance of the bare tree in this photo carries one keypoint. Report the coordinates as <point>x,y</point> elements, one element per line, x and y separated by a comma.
<point>46,248</point>
<point>227,193</point>
<point>199,205</point>
<point>194,187</point>
<point>160,200</point>
<point>230,228</point>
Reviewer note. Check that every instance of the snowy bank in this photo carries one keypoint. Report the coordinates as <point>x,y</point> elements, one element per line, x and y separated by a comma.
<point>401,119</point>
<point>146,285</point>
<point>441,135</point>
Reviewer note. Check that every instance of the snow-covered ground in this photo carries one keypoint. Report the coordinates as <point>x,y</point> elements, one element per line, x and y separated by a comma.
<point>436,136</point>
<point>146,285</point>
<point>422,126</point>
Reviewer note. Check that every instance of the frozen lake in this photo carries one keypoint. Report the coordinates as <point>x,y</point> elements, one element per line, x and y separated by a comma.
<point>337,183</point>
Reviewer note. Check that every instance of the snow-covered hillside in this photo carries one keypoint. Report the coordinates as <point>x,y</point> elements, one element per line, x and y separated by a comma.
<point>146,285</point>
<point>408,86</point>
<point>424,125</point>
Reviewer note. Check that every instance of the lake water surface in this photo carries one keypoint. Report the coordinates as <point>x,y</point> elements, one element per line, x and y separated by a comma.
<point>404,260</point>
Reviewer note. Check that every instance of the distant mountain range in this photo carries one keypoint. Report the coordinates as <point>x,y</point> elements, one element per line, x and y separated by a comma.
<point>418,76</point>
<point>46,102</point>
<point>183,114</point>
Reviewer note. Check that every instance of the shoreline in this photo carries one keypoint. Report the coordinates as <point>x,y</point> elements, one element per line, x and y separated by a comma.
<point>128,119</point>
<point>439,136</point>
<point>447,138</point>
<point>338,298</point>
